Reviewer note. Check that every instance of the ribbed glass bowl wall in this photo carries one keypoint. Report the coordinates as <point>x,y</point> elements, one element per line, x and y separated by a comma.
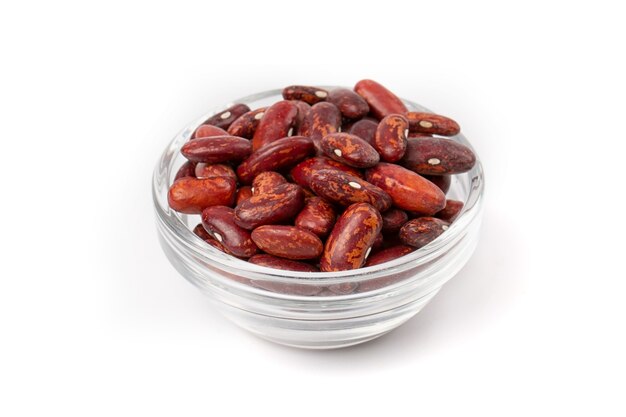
<point>315,310</point>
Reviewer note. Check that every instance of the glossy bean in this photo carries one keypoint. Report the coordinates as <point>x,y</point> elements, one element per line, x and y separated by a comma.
<point>280,206</point>
<point>350,150</point>
<point>351,239</point>
<point>421,231</point>
<point>408,190</point>
<point>441,181</point>
<point>451,211</point>
<point>247,123</point>
<point>390,139</point>
<point>438,156</point>
<point>302,117</point>
<point>317,216</point>
<point>389,254</point>
<point>243,193</point>
<point>381,101</point>
<point>435,124</point>
<point>302,173</point>
<point>192,195</point>
<point>288,242</point>
<point>393,220</point>
<point>308,94</point>
<point>322,120</point>
<point>207,131</point>
<point>217,149</point>
<point>188,169</point>
<point>266,182</point>
<point>365,129</point>
<point>277,123</point>
<point>272,261</point>
<point>219,222</point>
<point>344,189</point>
<point>204,170</point>
<point>225,118</point>
<point>350,104</point>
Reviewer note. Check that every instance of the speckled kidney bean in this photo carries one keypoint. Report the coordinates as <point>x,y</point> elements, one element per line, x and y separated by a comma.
<point>441,181</point>
<point>344,189</point>
<point>302,117</point>
<point>288,242</point>
<point>272,261</point>
<point>266,182</point>
<point>351,239</point>
<point>279,154</point>
<point>365,129</point>
<point>278,206</point>
<point>408,190</point>
<point>381,101</point>
<point>451,211</point>
<point>390,138</point>
<point>302,173</point>
<point>350,104</point>
<point>432,123</point>
<point>217,149</point>
<point>247,123</point>
<point>350,150</point>
<point>204,170</point>
<point>207,131</point>
<point>188,169</point>
<point>201,233</point>
<point>277,123</point>
<point>219,222</point>
<point>317,216</point>
<point>322,120</point>
<point>308,94</point>
<point>192,195</point>
<point>438,156</point>
<point>421,231</point>
<point>393,220</point>
<point>243,193</point>
<point>389,254</point>
<point>225,118</point>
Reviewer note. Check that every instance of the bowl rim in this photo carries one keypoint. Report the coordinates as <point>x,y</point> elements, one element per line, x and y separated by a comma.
<point>173,222</point>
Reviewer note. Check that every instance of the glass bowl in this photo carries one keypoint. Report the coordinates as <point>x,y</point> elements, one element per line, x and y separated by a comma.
<point>318,310</point>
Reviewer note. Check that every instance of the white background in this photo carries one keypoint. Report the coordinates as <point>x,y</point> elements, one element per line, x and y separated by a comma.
<point>94,320</point>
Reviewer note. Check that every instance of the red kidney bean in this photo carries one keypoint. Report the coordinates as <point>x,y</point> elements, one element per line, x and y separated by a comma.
<point>421,231</point>
<point>390,138</point>
<point>188,169</point>
<point>247,123</point>
<point>438,156</point>
<point>451,211</point>
<point>207,131</point>
<point>393,220</point>
<point>282,153</point>
<point>201,233</point>
<point>432,124</point>
<point>272,261</point>
<point>351,239</point>
<point>243,193</point>
<point>408,190</point>
<point>350,150</point>
<point>378,242</point>
<point>277,123</point>
<point>217,149</point>
<point>204,170</point>
<point>350,104</point>
<point>308,94</point>
<point>322,120</point>
<point>302,173</point>
<point>389,254</point>
<point>217,245</point>
<point>279,206</point>
<point>413,135</point>
<point>266,182</point>
<point>289,242</point>
<point>225,118</point>
<point>219,222</point>
<point>317,216</point>
<point>365,129</point>
<point>441,181</point>
<point>302,117</point>
<point>380,100</point>
<point>339,187</point>
<point>192,195</point>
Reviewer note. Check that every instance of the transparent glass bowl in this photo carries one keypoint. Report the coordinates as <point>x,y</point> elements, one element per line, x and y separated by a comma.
<point>315,310</point>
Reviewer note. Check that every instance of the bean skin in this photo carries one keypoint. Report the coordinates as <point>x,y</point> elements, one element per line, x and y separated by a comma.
<point>201,233</point>
<point>390,139</point>
<point>217,149</point>
<point>247,123</point>
<point>451,211</point>
<point>208,131</point>
<point>408,190</point>
<point>441,181</point>
<point>266,182</point>
<point>243,193</point>
<point>204,170</point>
<point>317,216</point>
<point>435,124</point>
<point>219,222</point>
<point>302,117</point>
<point>344,189</point>
<point>308,94</point>
<point>381,101</point>
<point>272,261</point>
<point>351,239</point>
<point>365,129</point>
<point>274,156</point>
<point>277,123</point>
<point>350,150</point>
<point>389,254</point>
<point>192,195</point>
<point>188,169</point>
<point>225,118</point>
<point>350,104</point>
<point>322,120</point>
<point>393,220</point>
<point>288,242</point>
<point>280,206</point>
<point>421,231</point>
<point>438,156</point>
<point>303,172</point>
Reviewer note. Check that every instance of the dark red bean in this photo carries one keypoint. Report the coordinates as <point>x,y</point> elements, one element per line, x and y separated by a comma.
<point>243,193</point>
<point>432,124</point>
<point>344,189</point>
<point>381,101</point>
<point>188,169</point>
<point>322,120</point>
<point>308,94</point>
<point>438,156</point>
<point>393,220</point>
<point>302,173</point>
<point>207,131</point>
<point>350,104</point>
<point>219,222</point>
<point>266,182</point>
<point>204,170</point>
<point>389,254</point>
<point>302,117</point>
<point>225,118</point>
<point>441,181</point>
<point>247,123</point>
<point>192,195</point>
<point>421,231</point>
<point>390,139</point>
<point>451,211</point>
<point>288,242</point>
<point>350,150</point>
<point>365,129</point>
<point>217,149</point>
<point>280,206</point>
<point>317,216</point>
<point>277,123</point>
<point>281,263</point>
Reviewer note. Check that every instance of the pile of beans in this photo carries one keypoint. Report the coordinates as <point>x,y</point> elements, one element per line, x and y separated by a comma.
<point>322,180</point>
